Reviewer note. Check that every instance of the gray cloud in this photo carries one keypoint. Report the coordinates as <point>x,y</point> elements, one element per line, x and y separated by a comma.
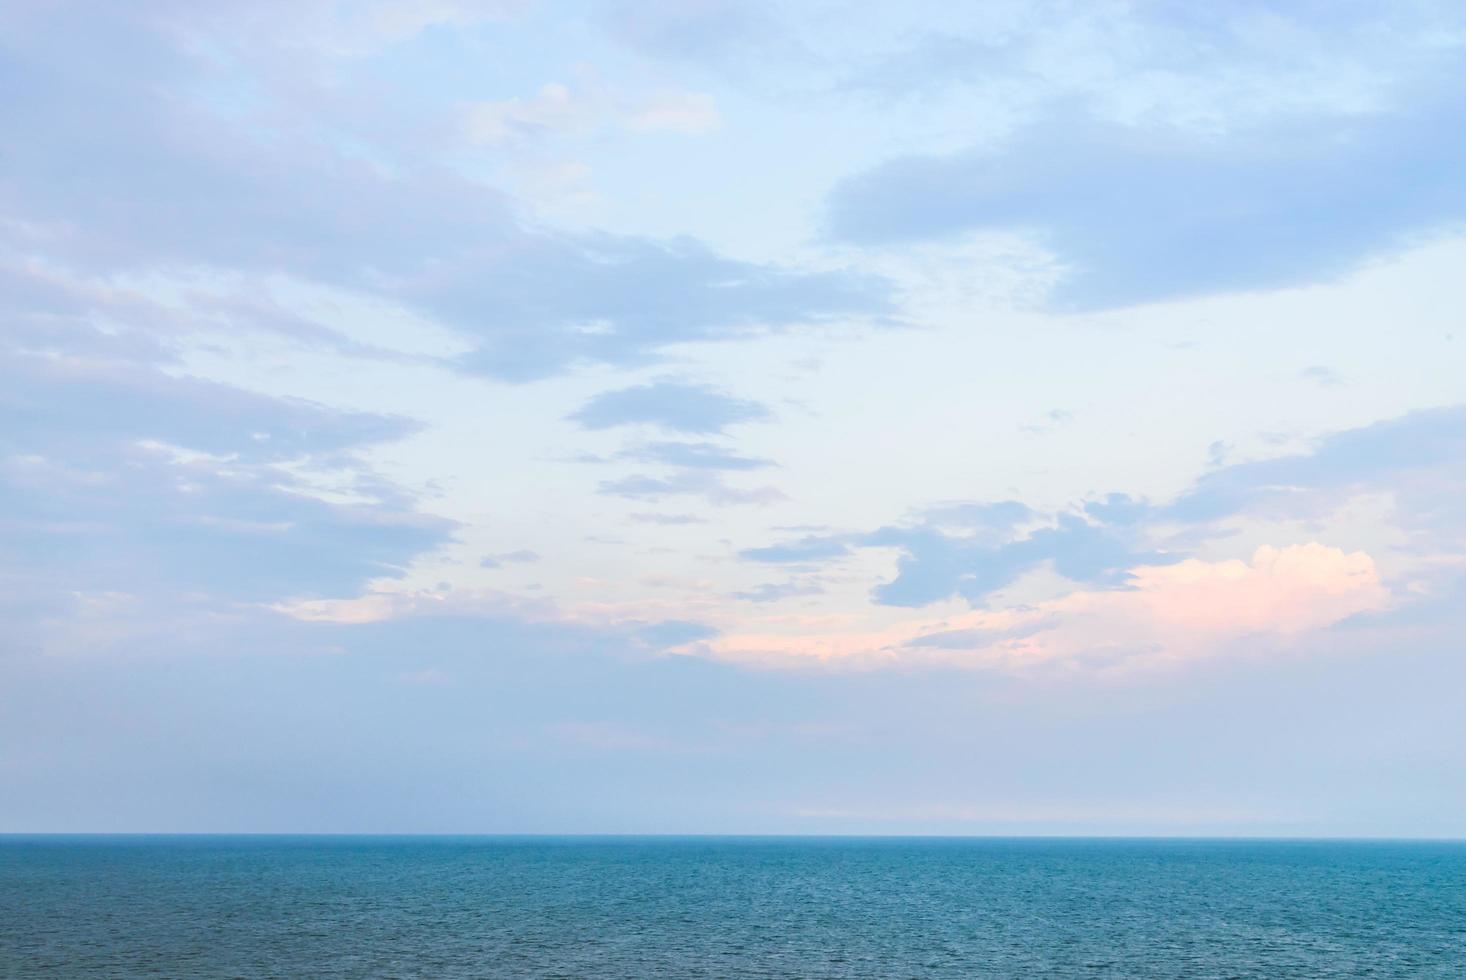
<point>693,455</point>
<point>1139,213</point>
<point>521,557</point>
<point>812,547</point>
<point>937,563</point>
<point>680,407</point>
<point>935,566</point>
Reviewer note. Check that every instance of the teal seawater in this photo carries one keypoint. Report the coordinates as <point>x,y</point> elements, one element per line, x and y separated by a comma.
<point>79,907</point>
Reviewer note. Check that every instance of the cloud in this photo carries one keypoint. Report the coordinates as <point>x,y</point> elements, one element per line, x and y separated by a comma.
<point>935,566</point>
<point>50,402</point>
<point>521,557</point>
<point>693,455</point>
<point>378,605</point>
<point>696,468</point>
<point>1131,603</point>
<point>677,406</point>
<point>670,634</point>
<point>778,591</point>
<point>972,549</point>
<point>1282,590</point>
<point>138,520</point>
<point>118,478</point>
<point>975,549</point>
<point>811,547</point>
<point>979,519</point>
<point>1203,67</point>
<point>184,166</point>
<point>1118,509</point>
<point>668,520</point>
<point>1417,457</point>
<point>1325,377</point>
<point>497,613</point>
<point>1142,212</point>
<point>688,482</point>
<point>977,637</point>
<point>1188,609</point>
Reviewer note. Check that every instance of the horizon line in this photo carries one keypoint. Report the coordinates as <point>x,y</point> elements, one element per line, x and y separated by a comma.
<point>594,835</point>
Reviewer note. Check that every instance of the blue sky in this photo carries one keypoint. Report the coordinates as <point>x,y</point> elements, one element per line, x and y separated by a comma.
<point>511,416</point>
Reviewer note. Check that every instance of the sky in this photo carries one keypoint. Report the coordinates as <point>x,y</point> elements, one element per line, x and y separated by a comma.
<point>698,416</point>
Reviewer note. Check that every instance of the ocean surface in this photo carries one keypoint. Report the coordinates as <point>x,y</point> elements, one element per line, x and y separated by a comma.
<point>439,907</point>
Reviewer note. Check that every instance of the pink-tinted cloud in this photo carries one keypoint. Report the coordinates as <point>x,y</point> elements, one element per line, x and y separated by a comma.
<point>1283,590</point>
<point>1190,609</point>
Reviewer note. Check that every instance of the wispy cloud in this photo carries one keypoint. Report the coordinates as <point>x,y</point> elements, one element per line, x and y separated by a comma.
<point>673,405</point>
<point>1325,377</point>
<point>688,482</point>
<point>779,591</point>
<point>521,557</point>
<point>693,455</point>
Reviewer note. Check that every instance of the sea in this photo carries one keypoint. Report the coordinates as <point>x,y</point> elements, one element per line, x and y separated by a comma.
<point>649,907</point>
